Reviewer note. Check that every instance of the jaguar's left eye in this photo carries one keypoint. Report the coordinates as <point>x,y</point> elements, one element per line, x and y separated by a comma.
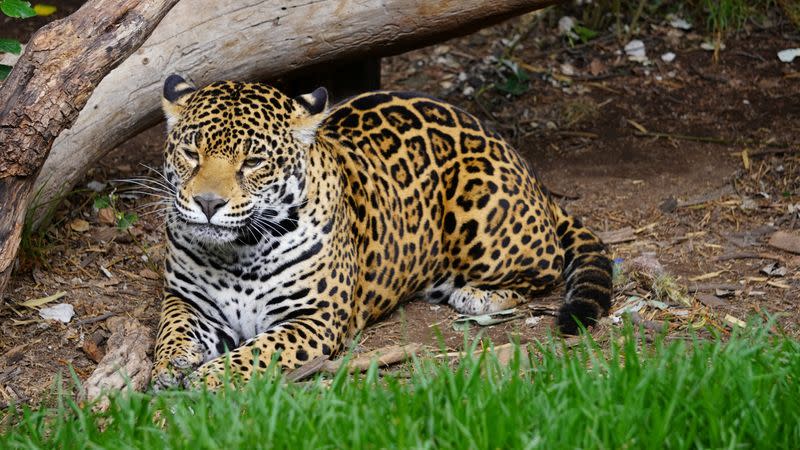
<point>253,162</point>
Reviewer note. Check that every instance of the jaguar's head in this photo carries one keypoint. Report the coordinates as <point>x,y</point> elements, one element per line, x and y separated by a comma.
<point>236,156</point>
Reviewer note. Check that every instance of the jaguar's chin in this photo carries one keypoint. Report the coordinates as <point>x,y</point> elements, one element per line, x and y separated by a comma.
<point>210,234</point>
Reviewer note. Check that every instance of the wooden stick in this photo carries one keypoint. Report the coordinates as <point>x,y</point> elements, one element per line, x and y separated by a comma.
<point>784,147</point>
<point>385,356</point>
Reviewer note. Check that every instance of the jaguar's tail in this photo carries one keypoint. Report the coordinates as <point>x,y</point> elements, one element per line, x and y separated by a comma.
<point>587,272</point>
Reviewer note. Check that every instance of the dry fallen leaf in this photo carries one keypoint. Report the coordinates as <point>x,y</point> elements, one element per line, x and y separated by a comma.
<point>785,241</point>
<point>596,67</point>
<point>79,225</point>
<point>33,303</point>
<point>93,350</point>
<point>106,216</point>
<point>149,274</point>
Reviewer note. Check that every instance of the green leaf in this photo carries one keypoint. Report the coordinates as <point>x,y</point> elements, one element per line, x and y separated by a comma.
<point>585,34</point>
<point>102,201</point>
<point>515,78</point>
<point>4,71</point>
<point>126,220</point>
<point>17,8</point>
<point>515,84</point>
<point>10,46</point>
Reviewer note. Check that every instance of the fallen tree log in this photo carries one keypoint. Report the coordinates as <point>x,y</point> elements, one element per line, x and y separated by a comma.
<point>251,39</point>
<point>49,86</point>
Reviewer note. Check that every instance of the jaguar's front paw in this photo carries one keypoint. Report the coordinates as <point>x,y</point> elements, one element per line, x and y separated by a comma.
<point>210,376</point>
<point>170,373</point>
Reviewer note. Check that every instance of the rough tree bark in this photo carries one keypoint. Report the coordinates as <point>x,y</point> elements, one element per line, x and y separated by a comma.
<point>49,86</point>
<point>253,39</point>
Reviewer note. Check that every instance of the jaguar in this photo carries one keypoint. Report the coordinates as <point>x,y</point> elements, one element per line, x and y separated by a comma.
<point>292,225</point>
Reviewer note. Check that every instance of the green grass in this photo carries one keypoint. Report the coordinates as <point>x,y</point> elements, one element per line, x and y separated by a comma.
<point>693,394</point>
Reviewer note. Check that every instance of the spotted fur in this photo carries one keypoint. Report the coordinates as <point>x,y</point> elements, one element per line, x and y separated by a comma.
<point>293,226</point>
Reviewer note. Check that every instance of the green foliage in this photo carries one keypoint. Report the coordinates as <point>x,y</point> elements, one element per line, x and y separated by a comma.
<point>515,80</point>
<point>669,394</point>
<point>21,10</point>
<point>102,201</point>
<point>10,46</point>
<point>124,219</point>
<point>724,15</point>
<point>584,34</point>
<point>17,8</point>
<point>720,16</point>
<point>34,242</point>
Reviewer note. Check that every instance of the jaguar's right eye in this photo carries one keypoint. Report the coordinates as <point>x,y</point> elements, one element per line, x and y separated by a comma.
<point>191,154</point>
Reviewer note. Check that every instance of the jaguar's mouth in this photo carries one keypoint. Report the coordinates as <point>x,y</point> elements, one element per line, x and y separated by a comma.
<point>210,233</point>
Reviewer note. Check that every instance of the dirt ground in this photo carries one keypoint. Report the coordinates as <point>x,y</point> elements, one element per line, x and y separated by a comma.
<point>651,155</point>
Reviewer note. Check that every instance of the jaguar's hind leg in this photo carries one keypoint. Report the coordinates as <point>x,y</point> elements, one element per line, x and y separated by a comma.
<point>471,300</point>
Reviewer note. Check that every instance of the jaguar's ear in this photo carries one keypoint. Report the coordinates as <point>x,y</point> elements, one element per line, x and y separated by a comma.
<point>176,93</point>
<point>315,102</point>
<point>314,108</point>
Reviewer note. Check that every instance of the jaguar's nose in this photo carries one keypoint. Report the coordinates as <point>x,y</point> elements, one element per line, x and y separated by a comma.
<point>210,203</point>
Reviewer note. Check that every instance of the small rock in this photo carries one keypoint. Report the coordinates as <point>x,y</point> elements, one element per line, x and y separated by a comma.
<point>669,205</point>
<point>709,47</point>
<point>533,321</point>
<point>636,51</point>
<point>710,300</point>
<point>96,186</point>
<point>668,57</point>
<point>680,23</point>
<point>647,264</point>
<point>62,312</point>
<point>567,69</point>
<point>774,270</point>
<point>789,54</point>
<point>565,25</point>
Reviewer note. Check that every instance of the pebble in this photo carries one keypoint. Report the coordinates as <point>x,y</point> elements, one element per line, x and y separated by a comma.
<point>636,51</point>
<point>565,25</point>
<point>789,54</point>
<point>680,23</point>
